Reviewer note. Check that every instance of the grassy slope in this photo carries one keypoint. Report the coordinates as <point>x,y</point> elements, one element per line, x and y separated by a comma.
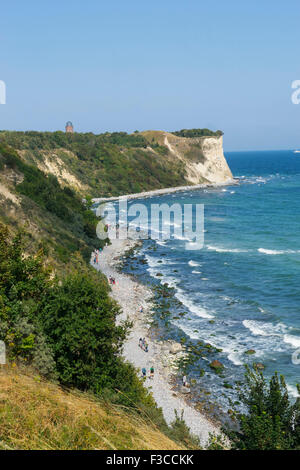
<point>105,164</point>
<point>38,415</point>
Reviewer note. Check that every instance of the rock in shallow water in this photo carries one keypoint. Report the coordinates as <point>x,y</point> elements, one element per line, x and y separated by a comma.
<point>175,348</point>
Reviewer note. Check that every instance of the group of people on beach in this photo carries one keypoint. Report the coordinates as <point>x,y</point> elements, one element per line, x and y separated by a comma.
<point>112,280</point>
<point>143,344</point>
<point>96,255</point>
<point>144,373</point>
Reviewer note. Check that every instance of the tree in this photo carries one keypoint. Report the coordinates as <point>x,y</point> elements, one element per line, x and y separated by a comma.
<point>78,318</point>
<point>24,283</point>
<point>271,422</point>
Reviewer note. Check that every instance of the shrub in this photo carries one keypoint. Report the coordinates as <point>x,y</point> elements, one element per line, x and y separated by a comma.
<point>272,422</point>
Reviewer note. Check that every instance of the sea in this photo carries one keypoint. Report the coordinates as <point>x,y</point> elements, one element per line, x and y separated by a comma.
<point>241,290</point>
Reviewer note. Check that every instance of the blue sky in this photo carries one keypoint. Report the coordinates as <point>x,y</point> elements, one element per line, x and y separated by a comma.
<point>168,64</point>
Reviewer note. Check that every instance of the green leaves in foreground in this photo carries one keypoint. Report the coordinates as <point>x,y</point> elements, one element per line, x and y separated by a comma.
<point>272,422</point>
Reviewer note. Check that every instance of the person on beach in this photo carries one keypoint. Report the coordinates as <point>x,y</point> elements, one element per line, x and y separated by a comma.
<point>184,380</point>
<point>140,343</point>
<point>144,372</point>
<point>141,309</point>
<point>152,372</point>
<point>146,347</point>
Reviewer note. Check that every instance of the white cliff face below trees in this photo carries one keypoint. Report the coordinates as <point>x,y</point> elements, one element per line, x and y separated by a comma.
<point>203,158</point>
<point>215,168</point>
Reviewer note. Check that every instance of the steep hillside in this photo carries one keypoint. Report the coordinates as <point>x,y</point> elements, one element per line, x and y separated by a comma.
<point>58,321</point>
<point>36,414</point>
<point>54,215</point>
<point>118,163</point>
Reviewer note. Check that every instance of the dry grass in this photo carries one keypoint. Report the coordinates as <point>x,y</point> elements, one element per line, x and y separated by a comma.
<point>35,414</point>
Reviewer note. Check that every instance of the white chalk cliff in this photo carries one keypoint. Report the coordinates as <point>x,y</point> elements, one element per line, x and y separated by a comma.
<point>202,157</point>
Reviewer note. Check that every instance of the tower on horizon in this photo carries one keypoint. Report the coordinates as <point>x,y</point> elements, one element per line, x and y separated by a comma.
<point>69,127</point>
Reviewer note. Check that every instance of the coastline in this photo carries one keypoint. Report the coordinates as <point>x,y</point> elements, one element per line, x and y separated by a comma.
<point>158,192</point>
<point>131,295</point>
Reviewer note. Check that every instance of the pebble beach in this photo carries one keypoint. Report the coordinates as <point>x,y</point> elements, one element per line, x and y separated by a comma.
<point>131,296</point>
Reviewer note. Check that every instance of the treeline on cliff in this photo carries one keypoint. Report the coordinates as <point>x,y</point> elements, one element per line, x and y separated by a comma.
<point>198,133</point>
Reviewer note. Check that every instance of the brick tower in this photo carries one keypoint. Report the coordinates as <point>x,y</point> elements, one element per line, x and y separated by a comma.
<point>69,127</point>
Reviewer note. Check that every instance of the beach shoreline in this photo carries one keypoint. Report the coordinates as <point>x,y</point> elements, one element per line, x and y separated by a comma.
<point>159,192</point>
<point>131,296</point>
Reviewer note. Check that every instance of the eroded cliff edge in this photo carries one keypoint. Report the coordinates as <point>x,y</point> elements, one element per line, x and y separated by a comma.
<point>203,157</point>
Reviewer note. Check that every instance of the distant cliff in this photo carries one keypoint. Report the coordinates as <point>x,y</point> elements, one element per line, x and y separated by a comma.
<point>117,163</point>
<point>203,157</point>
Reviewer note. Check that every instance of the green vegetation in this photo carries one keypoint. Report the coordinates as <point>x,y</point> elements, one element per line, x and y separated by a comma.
<point>60,211</point>
<point>107,164</point>
<point>272,422</point>
<point>197,133</point>
<point>64,327</point>
<point>85,143</point>
<point>60,322</point>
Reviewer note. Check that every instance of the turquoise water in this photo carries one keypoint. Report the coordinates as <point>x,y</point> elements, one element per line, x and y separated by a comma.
<point>246,278</point>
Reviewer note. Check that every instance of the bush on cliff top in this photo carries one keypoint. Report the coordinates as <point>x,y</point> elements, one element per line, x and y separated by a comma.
<point>197,133</point>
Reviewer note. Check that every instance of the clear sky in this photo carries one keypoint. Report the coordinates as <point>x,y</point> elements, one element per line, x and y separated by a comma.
<point>157,64</point>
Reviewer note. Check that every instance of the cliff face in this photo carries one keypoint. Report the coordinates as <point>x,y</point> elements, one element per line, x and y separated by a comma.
<point>203,157</point>
<point>214,167</point>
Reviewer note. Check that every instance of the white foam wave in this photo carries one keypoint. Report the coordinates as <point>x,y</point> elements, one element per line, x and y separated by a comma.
<point>169,223</point>
<point>292,390</point>
<point>179,237</point>
<point>196,309</point>
<point>225,250</point>
<point>189,331</point>
<point>153,262</point>
<point>293,340</point>
<point>235,358</point>
<point>277,252</point>
<point>193,263</point>
<point>196,272</point>
<point>264,329</point>
<point>229,349</point>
